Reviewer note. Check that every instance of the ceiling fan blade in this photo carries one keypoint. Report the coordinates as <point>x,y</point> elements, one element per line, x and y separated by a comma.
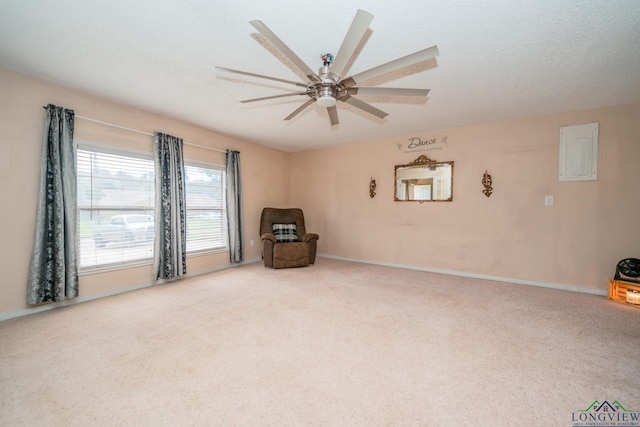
<point>405,61</point>
<point>262,76</point>
<point>364,106</point>
<point>264,98</point>
<point>279,44</point>
<point>356,31</point>
<point>386,91</point>
<point>299,109</point>
<point>333,115</point>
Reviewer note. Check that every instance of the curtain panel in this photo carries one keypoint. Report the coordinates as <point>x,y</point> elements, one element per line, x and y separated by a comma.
<point>170,255</point>
<point>234,206</point>
<point>53,271</point>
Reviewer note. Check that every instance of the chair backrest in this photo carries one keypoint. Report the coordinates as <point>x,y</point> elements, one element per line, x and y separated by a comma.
<point>272,216</point>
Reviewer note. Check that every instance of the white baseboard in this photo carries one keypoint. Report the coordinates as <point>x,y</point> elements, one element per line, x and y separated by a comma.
<point>54,305</point>
<point>51,306</point>
<point>474,275</point>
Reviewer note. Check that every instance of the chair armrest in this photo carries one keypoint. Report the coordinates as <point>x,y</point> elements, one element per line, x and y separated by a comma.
<point>268,236</point>
<point>309,237</point>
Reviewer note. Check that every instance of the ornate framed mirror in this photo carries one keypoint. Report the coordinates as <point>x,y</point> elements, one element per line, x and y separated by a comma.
<point>423,180</point>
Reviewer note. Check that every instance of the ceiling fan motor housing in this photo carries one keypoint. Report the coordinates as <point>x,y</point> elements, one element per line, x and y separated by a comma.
<point>327,91</point>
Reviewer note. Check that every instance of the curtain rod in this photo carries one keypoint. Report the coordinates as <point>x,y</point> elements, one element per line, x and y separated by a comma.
<point>141,132</point>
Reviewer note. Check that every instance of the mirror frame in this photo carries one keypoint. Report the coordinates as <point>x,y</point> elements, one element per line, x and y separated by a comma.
<point>422,160</point>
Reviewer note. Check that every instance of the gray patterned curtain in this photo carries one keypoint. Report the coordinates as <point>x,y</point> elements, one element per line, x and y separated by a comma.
<point>234,206</point>
<point>170,257</point>
<point>53,272</point>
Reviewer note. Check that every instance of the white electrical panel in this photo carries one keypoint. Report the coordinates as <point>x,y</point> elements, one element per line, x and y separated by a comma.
<point>579,152</point>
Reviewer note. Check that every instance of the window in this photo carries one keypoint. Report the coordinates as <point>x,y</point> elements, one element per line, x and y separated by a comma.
<point>422,191</point>
<point>206,216</point>
<point>115,207</point>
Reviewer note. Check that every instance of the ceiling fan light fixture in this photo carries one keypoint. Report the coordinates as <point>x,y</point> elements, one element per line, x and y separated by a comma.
<point>326,96</point>
<point>326,101</point>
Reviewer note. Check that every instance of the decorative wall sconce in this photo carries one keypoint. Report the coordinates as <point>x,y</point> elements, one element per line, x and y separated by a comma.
<point>372,188</point>
<point>486,181</point>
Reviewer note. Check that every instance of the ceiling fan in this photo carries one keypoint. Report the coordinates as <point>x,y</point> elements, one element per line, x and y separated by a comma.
<point>328,86</point>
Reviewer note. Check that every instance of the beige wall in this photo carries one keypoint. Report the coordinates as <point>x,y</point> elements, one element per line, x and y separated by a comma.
<point>264,173</point>
<point>574,244</point>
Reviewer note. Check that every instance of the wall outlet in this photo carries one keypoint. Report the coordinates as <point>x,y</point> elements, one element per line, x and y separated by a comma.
<point>253,243</point>
<point>548,200</point>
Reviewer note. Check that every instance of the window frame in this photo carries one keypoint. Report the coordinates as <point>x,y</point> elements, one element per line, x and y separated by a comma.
<point>90,146</point>
<point>107,149</point>
<point>225,231</point>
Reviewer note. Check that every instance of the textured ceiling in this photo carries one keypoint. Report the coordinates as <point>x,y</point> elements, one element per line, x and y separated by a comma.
<point>499,60</point>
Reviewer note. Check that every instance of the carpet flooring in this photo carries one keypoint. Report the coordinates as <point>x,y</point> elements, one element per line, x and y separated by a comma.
<point>334,344</point>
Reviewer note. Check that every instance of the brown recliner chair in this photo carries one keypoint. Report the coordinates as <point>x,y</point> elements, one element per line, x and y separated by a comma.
<point>287,244</point>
